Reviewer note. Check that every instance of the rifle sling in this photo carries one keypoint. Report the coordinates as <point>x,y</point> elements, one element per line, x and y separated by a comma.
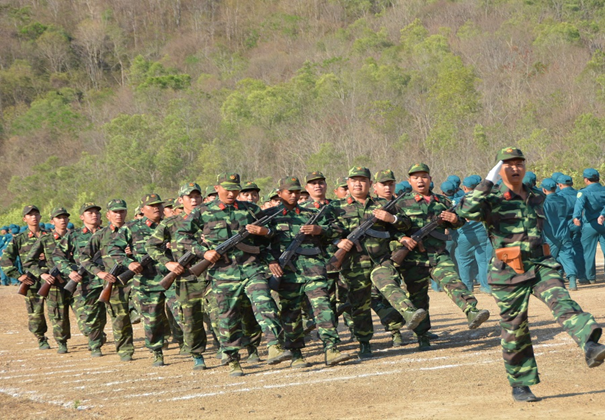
<point>248,249</point>
<point>440,236</point>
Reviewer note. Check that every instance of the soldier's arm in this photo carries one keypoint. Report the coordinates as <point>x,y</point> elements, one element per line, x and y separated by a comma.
<point>476,206</point>
<point>88,252</point>
<point>32,259</point>
<point>156,242</point>
<point>579,206</point>
<point>8,261</point>
<point>62,256</point>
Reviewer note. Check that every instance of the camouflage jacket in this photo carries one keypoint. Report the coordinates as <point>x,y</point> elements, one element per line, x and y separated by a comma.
<point>68,254</point>
<point>310,261</point>
<point>510,221</point>
<point>149,279</point>
<point>112,242</point>
<point>349,214</point>
<point>421,212</point>
<point>16,252</point>
<point>43,248</point>
<point>217,222</point>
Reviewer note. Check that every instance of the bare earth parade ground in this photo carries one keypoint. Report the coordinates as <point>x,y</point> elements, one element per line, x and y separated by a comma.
<point>463,377</point>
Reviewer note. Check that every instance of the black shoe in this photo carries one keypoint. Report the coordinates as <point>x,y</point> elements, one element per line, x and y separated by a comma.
<point>524,394</point>
<point>365,350</point>
<point>595,354</point>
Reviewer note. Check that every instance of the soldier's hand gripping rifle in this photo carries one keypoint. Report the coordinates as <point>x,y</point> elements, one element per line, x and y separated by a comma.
<point>71,285</point>
<point>24,287</point>
<point>129,274</point>
<point>184,261</point>
<point>365,228</point>
<point>398,256</point>
<point>107,289</point>
<point>285,259</point>
<point>231,243</point>
<point>45,287</point>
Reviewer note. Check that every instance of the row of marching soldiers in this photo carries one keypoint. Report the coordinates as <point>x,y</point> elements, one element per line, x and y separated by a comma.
<point>285,247</point>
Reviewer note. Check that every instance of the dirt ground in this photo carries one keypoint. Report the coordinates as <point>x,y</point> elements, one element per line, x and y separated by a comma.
<point>463,377</point>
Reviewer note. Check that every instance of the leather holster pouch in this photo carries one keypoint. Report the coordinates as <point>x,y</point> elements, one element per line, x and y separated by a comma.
<point>512,257</point>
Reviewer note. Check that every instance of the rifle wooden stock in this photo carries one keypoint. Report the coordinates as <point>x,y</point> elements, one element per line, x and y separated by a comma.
<point>70,286</point>
<point>398,256</point>
<point>184,261</point>
<point>23,288</point>
<point>337,259</point>
<point>108,287</point>
<point>45,287</point>
<point>200,267</point>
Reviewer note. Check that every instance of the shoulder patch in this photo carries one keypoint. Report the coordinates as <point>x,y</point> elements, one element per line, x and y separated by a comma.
<point>579,195</point>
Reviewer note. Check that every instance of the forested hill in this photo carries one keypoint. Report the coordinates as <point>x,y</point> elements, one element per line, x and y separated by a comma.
<point>116,98</point>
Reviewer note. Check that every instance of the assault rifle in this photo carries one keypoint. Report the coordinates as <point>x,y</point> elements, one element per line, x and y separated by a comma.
<point>71,285</point>
<point>107,289</point>
<point>129,274</point>
<point>23,288</point>
<point>231,243</point>
<point>364,228</point>
<point>45,287</point>
<point>184,261</point>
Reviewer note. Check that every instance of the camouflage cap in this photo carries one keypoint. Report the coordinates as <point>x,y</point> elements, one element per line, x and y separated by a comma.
<point>229,181</point>
<point>29,209</point>
<point>272,194</point>
<point>360,171</point>
<point>419,167</point>
<point>210,191</point>
<point>87,206</point>
<point>177,204</point>
<point>384,176</point>
<point>549,184</point>
<point>58,211</point>
<point>189,188</point>
<point>249,186</point>
<point>169,202</point>
<point>509,153</point>
<point>340,182</point>
<point>290,183</point>
<point>312,176</point>
<point>151,199</point>
<point>137,210</point>
<point>116,204</point>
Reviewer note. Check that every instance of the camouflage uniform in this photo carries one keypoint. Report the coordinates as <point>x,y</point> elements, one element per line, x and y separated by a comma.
<point>112,242</point>
<point>513,221</point>
<point>67,257</point>
<point>238,273</point>
<point>18,248</point>
<point>190,290</point>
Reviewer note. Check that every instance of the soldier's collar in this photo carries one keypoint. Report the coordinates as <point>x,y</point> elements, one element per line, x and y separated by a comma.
<point>223,206</point>
<point>285,210</point>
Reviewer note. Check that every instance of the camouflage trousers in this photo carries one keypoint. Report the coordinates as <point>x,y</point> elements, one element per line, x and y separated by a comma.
<point>513,301</point>
<point>359,285</point>
<point>35,313</point>
<point>229,298</point>
<point>93,316</point>
<point>58,301</point>
<point>251,329</point>
<point>387,282</point>
<point>77,305</point>
<point>190,295</point>
<point>153,311</point>
<point>173,311</point>
<point>443,271</point>
<point>211,313</point>
<point>291,296</point>
<point>118,309</point>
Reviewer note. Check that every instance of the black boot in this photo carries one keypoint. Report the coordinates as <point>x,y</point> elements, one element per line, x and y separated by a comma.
<point>595,354</point>
<point>523,394</point>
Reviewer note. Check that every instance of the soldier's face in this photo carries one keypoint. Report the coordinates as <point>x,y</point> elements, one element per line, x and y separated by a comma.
<point>385,189</point>
<point>168,212</point>
<point>250,195</point>
<point>304,196</point>
<point>226,196</point>
<point>513,171</point>
<point>341,192</point>
<point>117,217</point>
<point>32,218</point>
<point>289,198</point>
<point>61,222</point>
<point>359,186</point>
<point>191,201</point>
<point>91,217</point>
<point>317,189</point>
<point>274,202</point>
<point>420,182</point>
<point>153,211</point>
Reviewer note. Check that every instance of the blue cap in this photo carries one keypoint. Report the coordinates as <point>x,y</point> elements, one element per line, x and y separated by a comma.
<point>70,225</point>
<point>403,187</point>
<point>591,174</point>
<point>49,226</point>
<point>471,181</point>
<point>530,179</point>
<point>448,188</point>
<point>15,229</point>
<point>549,184</point>
<point>565,179</point>
<point>555,176</point>
<point>20,229</point>
<point>4,228</point>
<point>455,179</point>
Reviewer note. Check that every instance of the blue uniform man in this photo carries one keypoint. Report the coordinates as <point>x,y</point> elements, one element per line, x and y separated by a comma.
<point>565,189</point>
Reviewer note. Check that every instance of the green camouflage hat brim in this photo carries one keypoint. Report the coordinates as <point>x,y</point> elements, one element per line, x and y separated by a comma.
<point>384,176</point>
<point>116,205</point>
<point>419,167</point>
<point>360,171</point>
<point>210,190</point>
<point>313,176</point>
<point>150,200</point>
<point>189,188</point>
<point>59,211</point>
<point>340,182</point>
<point>88,206</point>
<point>229,181</point>
<point>28,209</point>
<point>289,183</point>
<point>250,186</point>
<point>509,153</point>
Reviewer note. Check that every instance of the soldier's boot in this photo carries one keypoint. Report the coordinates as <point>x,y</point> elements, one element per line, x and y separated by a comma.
<point>430,335</point>
<point>277,355</point>
<point>182,349</point>
<point>62,347</point>
<point>166,344</point>
<point>413,317</point>
<point>595,354</point>
<point>224,359</point>
<point>298,361</point>
<point>573,286</point>
<point>365,350</point>
<point>476,317</point>
<point>523,394</point>
<point>334,356</point>
<point>234,368</point>
<point>198,362</point>
<point>43,344</point>
<point>96,353</point>
<point>424,343</point>
<point>253,357</point>
<point>397,339</point>
<point>158,358</point>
